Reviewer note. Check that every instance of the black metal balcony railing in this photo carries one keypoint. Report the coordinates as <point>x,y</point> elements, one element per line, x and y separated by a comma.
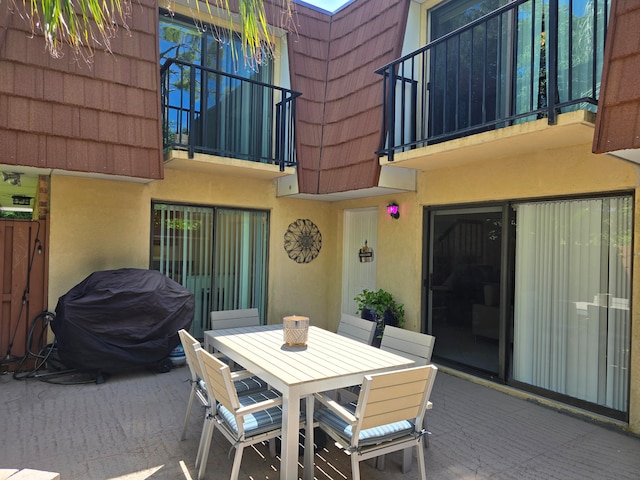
<point>527,60</point>
<point>217,113</point>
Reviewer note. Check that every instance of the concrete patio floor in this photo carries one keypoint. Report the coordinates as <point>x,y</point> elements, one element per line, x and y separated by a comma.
<point>129,428</point>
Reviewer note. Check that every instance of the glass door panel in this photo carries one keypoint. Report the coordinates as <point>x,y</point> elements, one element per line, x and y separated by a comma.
<point>182,245</point>
<point>240,260</point>
<point>466,70</point>
<point>465,264</point>
<point>572,298</point>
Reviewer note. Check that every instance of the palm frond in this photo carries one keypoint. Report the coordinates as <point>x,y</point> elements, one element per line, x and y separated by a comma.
<point>84,25</point>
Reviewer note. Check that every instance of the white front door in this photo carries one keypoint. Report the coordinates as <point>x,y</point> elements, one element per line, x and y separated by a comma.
<point>358,255</point>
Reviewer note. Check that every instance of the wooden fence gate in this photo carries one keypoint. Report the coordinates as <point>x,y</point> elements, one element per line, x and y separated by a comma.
<point>23,286</point>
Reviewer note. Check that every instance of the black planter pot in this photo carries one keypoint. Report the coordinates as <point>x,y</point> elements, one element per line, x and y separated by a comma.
<point>387,319</point>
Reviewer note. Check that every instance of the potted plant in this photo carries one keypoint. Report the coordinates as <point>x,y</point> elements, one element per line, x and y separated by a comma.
<point>381,307</point>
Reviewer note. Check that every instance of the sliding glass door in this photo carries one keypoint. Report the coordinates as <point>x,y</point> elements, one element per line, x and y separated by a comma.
<point>512,60</point>
<point>466,70</point>
<point>219,254</point>
<point>231,117</point>
<point>543,304</point>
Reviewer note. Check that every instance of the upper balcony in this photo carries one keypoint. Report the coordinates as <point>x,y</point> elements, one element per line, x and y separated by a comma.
<point>522,77</point>
<point>217,121</point>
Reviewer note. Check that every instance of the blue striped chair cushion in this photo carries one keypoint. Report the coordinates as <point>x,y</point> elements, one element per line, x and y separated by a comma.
<point>245,386</point>
<point>249,385</point>
<point>370,436</point>
<point>257,422</point>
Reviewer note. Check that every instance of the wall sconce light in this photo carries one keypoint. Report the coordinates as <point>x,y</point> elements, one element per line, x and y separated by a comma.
<point>393,210</point>
<point>13,178</point>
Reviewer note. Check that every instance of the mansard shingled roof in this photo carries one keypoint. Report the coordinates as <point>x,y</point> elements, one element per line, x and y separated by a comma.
<point>339,116</point>
<point>618,119</point>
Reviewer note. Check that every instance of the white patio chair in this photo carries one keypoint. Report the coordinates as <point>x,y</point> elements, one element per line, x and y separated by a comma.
<point>243,317</point>
<point>417,347</point>
<point>406,343</point>
<point>412,345</point>
<point>244,382</point>
<point>357,328</point>
<point>243,420</point>
<point>387,417</point>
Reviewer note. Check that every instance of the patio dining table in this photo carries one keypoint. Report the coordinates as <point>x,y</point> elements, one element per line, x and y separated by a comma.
<point>328,361</point>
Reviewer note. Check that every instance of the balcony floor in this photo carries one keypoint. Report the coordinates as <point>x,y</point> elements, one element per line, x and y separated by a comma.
<point>573,128</point>
<point>128,428</point>
<point>212,164</point>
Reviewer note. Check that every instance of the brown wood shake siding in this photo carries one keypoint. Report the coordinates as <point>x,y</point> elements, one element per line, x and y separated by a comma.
<point>339,117</point>
<point>62,113</point>
<point>618,120</point>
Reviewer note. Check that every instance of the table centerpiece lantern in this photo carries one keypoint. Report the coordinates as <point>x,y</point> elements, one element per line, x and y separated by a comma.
<point>295,330</point>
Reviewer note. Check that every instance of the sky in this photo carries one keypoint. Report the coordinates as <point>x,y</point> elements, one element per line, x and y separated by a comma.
<point>329,5</point>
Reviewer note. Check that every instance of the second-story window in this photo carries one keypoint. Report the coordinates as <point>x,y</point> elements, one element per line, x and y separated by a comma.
<point>211,99</point>
<point>205,45</point>
<point>464,69</point>
<point>513,60</point>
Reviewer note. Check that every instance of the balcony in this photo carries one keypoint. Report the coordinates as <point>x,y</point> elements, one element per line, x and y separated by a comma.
<point>523,76</point>
<point>216,121</point>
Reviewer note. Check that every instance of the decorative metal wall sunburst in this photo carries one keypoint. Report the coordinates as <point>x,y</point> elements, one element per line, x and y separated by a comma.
<point>302,241</point>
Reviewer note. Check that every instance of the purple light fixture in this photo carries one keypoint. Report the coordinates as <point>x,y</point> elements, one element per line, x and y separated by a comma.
<point>393,210</point>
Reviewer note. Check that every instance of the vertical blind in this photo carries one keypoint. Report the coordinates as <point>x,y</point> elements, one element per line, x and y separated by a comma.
<point>240,260</point>
<point>220,255</point>
<point>183,242</point>
<point>572,290</point>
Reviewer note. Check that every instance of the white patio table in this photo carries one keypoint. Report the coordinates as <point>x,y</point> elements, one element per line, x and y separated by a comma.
<point>328,361</point>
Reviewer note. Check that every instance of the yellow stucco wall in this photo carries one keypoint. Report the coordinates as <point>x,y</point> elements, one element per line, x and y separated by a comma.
<point>570,171</point>
<point>101,224</point>
<point>95,225</point>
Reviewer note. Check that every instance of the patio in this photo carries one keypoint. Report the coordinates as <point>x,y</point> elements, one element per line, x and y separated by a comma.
<point>129,428</point>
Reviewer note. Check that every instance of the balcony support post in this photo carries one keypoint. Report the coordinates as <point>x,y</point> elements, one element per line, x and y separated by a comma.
<point>391,110</point>
<point>192,114</point>
<point>552,58</point>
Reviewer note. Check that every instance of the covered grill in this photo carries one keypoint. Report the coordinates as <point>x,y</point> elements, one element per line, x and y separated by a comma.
<point>118,319</point>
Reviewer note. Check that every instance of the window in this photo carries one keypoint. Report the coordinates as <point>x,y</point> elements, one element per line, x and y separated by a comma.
<point>231,117</point>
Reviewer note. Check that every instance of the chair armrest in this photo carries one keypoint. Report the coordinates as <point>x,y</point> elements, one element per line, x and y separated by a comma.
<point>241,374</point>
<point>336,407</point>
<point>274,402</point>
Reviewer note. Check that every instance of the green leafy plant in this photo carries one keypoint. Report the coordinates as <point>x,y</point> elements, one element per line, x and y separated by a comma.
<point>381,302</point>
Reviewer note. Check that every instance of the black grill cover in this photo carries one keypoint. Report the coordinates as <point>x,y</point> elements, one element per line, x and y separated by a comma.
<point>117,319</point>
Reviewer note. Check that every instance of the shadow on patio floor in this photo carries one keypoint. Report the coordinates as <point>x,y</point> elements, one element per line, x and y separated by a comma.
<point>129,428</point>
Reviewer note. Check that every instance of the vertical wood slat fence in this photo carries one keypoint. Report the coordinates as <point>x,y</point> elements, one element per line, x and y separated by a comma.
<point>23,286</point>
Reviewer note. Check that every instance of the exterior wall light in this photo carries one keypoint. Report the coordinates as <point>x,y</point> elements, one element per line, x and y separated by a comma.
<point>393,210</point>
